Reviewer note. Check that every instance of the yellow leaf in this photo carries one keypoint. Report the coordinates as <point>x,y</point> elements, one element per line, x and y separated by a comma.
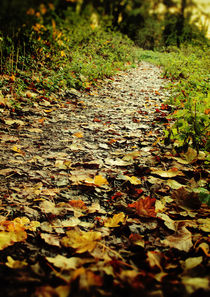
<point>133,180</point>
<point>63,54</point>
<point>169,173</point>
<point>12,232</point>
<point>48,110</point>
<point>81,241</point>
<point>114,222</point>
<point>78,135</point>
<point>15,264</point>
<point>99,180</point>
<point>43,9</point>
<point>65,263</point>
<point>17,150</point>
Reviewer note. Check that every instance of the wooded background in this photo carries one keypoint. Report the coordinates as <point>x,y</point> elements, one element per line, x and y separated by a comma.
<point>146,22</point>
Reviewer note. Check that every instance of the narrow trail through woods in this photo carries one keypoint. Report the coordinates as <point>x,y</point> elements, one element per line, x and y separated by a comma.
<point>100,126</point>
<point>92,201</point>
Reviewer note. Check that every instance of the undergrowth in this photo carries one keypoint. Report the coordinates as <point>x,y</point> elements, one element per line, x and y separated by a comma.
<point>59,54</point>
<point>188,70</point>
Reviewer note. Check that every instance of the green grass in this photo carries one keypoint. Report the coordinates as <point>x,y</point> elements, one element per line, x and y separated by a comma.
<point>188,70</point>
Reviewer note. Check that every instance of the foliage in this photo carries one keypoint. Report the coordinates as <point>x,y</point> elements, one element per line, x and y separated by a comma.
<point>188,70</point>
<point>61,52</point>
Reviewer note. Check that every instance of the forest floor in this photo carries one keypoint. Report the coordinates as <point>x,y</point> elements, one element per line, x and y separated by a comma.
<point>93,202</point>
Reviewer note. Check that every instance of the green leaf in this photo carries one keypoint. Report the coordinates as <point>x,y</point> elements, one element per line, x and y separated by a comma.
<point>204,196</point>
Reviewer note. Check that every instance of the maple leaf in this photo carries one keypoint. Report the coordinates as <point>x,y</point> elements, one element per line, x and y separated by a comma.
<point>81,241</point>
<point>115,220</point>
<point>144,207</point>
<point>11,232</point>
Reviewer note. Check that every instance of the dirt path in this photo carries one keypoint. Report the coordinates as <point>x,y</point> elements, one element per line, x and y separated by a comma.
<point>90,196</point>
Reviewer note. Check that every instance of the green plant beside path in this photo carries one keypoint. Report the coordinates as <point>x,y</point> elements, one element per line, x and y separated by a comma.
<point>188,70</point>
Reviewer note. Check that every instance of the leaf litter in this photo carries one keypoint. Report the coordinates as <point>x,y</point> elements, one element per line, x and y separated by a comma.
<point>93,203</point>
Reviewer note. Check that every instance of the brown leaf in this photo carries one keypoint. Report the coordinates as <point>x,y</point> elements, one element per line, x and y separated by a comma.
<point>181,240</point>
<point>51,239</point>
<point>77,203</point>
<point>185,199</point>
<point>137,239</point>
<point>145,207</point>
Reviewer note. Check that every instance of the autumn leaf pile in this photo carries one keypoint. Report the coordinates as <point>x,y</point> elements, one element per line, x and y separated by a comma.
<point>93,203</point>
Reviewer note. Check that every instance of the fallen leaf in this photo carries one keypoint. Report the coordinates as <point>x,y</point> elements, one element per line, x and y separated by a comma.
<point>193,284</point>
<point>131,156</point>
<point>77,203</point>
<point>169,173</point>
<point>49,207</point>
<point>51,239</point>
<point>8,138</point>
<point>15,264</point>
<point>181,240</point>
<point>167,221</point>
<point>47,291</point>
<point>137,239</point>
<point>204,224</point>
<point>133,180</point>
<point>190,156</point>
<point>204,247</point>
<point>118,162</point>
<point>192,262</point>
<point>78,134</point>
<point>8,171</point>
<point>11,232</point>
<point>98,181</point>
<point>65,263</point>
<point>71,222</point>
<point>115,220</point>
<point>173,184</point>
<point>154,259</point>
<point>185,199</point>
<point>144,207</point>
<point>12,122</point>
<point>81,241</point>
<point>17,150</point>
